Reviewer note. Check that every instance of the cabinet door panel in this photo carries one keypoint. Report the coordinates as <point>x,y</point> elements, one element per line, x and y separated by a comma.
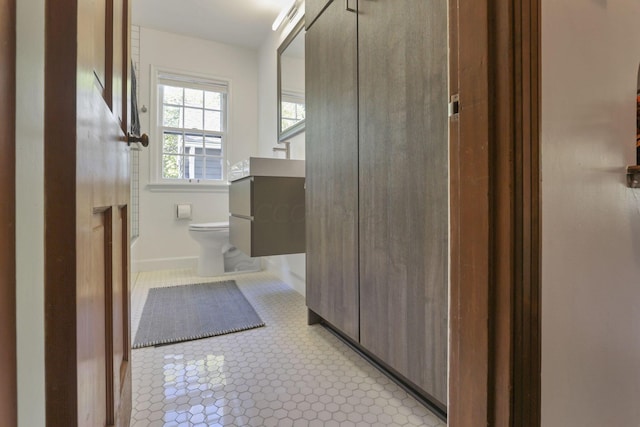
<point>332,169</point>
<point>312,9</point>
<point>404,188</point>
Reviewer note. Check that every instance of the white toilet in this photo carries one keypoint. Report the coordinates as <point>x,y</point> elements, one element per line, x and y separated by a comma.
<point>213,238</point>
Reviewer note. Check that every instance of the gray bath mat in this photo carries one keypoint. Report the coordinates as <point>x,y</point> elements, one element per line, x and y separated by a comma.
<point>189,312</point>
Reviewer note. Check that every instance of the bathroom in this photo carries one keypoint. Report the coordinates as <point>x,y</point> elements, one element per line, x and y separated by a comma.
<point>252,131</point>
<point>306,388</point>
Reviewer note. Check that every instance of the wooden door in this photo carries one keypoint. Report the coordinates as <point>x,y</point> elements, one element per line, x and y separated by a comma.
<point>8,387</point>
<point>332,169</point>
<point>404,188</point>
<point>88,375</point>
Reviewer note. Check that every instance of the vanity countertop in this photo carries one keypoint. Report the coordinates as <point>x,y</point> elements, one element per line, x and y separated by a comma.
<point>265,166</point>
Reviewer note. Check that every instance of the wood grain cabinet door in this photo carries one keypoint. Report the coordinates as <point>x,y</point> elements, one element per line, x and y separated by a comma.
<point>403,187</point>
<point>312,9</point>
<point>332,169</point>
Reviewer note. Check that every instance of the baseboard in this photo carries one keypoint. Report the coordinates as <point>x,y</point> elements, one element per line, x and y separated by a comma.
<point>156,264</point>
<point>287,276</point>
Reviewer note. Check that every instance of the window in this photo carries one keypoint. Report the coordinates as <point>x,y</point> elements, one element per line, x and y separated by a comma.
<point>192,129</point>
<point>292,109</point>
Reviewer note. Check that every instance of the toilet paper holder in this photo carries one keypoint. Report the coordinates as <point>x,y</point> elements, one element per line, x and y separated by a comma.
<point>183,211</point>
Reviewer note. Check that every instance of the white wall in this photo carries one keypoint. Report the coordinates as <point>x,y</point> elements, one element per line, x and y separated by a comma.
<point>290,268</point>
<point>267,95</point>
<point>164,242</point>
<point>591,221</point>
<point>30,212</point>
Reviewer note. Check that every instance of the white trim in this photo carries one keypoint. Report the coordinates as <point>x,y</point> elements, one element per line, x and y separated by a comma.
<point>275,266</point>
<point>156,182</point>
<point>190,82</point>
<point>193,187</point>
<point>156,264</point>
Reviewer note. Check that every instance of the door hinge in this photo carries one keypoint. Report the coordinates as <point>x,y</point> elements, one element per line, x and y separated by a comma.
<point>454,106</point>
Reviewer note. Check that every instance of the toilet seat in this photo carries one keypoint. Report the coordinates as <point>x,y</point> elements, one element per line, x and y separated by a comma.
<point>209,226</point>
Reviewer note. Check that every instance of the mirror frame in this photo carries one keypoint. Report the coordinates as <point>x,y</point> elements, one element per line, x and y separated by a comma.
<point>298,127</point>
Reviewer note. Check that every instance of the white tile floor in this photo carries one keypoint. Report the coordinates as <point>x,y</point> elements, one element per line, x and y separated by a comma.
<point>284,374</point>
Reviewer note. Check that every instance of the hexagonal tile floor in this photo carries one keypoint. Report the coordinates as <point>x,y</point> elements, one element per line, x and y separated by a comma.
<point>284,374</point>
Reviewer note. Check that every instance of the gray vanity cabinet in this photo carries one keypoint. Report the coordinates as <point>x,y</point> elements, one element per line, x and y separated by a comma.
<point>377,182</point>
<point>332,169</point>
<point>267,215</point>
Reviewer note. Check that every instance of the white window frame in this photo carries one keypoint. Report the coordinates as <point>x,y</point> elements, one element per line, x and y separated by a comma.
<point>197,81</point>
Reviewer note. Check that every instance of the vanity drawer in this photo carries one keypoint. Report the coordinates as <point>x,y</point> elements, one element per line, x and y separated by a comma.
<point>240,196</point>
<point>240,233</point>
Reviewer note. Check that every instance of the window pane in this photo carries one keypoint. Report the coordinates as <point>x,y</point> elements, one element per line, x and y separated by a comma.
<point>193,142</point>
<point>287,123</point>
<point>213,100</point>
<point>213,168</point>
<point>194,167</point>
<point>288,110</point>
<point>213,142</point>
<point>172,166</point>
<point>292,113</point>
<point>172,95</point>
<point>172,143</point>
<point>172,117</point>
<point>193,97</point>
<point>192,118</point>
<point>213,145</point>
<point>213,121</point>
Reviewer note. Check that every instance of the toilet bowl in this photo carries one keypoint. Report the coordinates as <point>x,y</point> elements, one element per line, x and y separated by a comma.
<point>213,238</point>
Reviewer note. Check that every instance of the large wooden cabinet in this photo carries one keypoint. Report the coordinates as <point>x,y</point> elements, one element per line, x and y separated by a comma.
<point>377,182</point>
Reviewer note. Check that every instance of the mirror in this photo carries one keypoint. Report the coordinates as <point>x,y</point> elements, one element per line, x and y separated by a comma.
<point>291,107</point>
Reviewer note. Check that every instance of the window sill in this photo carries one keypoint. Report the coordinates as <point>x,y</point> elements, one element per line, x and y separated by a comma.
<point>185,187</point>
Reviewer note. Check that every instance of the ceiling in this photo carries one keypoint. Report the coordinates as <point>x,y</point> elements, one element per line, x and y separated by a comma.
<point>244,23</point>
